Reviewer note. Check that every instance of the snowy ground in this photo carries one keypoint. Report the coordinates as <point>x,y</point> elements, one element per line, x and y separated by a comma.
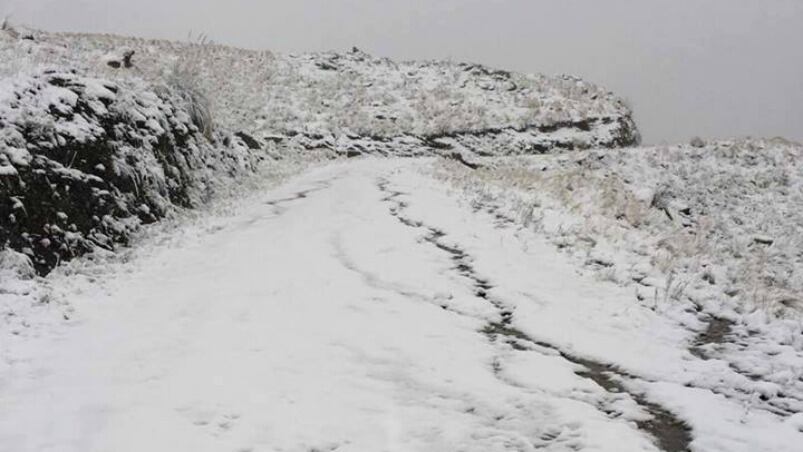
<point>712,230</point>
<point>365,307</point>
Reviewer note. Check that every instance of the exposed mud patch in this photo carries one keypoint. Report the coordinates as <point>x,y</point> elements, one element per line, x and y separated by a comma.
<point>670,433</point>
<point>716,333</point>
<point>721,332</point>
<point>720,339</point>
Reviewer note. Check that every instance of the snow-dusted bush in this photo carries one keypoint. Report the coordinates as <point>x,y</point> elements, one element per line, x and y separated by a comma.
<point>185,77</point>
<point>183,80</point>
<point>6,26</point>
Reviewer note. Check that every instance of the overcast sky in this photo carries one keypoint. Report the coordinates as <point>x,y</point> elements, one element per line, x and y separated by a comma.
<point>714,68</point>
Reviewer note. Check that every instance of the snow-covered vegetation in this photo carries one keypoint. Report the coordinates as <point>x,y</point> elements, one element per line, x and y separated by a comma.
<point>102,133</point>
<point>682,329</point>
<point>725,215</point>
<point>340,94</point>
<point>711,229</point>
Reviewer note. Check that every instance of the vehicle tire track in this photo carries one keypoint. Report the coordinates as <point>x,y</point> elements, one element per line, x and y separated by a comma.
<point>277,204</point>
<point>718,332</point>
<point>301,194</point>
<point>669,432</point>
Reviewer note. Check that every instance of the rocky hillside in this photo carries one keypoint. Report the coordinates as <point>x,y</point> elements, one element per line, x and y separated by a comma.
<point>338,101</point>
<point>99,134</point>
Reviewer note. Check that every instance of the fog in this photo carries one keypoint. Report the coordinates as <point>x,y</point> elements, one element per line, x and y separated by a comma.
<point>713,68</point>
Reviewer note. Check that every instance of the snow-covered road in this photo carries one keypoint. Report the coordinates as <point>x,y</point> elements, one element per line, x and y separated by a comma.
<point>363,307</point>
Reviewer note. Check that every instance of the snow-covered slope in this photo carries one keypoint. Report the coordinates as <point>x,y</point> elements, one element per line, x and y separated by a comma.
<point>627,299</point>
<point>726,215</point>
<point>341,96</point>
<point>101,133</point>
<point>713,230</point>
<point>401,320</point>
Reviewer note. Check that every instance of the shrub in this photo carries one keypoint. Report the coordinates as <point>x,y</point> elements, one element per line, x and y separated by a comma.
<point>185,78</point>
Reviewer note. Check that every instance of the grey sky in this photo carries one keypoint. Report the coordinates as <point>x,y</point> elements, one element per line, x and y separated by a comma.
<point>714,68</point>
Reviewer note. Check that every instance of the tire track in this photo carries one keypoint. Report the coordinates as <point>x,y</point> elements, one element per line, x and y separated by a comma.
<point>669,432</point>
<point>301,194</point>
<point>718,332</point>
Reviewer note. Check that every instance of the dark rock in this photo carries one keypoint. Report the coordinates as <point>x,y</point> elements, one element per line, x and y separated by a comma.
<point>763,240</point>
<point>326,66</point>
<point>459,157</point>
<point>249,141</point>
<point>127,58</point>
<point>75,190</point>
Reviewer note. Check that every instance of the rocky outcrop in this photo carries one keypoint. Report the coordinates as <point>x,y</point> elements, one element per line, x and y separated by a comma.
<point>353,103</point>
<point>355,93</point>
<point>84,162</point>
<point>587,134</point>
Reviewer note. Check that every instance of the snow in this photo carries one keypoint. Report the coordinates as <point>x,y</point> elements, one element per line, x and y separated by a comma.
<point>90,148</point>
<point>721,426</point>
<point>7,170</point>
<point>556,302</point>
<point>710,230</point>
<point>311,318</point>
<point>600,321</point>
<point>275,342</point>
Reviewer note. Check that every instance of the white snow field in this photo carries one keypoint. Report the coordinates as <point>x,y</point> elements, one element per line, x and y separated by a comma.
<point>364,307</point>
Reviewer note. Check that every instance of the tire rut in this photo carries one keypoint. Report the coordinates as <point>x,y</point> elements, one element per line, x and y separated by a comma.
<point>279,209</point>
<point>719,331</point>
<point>669,432</point>
<point>301,194</point>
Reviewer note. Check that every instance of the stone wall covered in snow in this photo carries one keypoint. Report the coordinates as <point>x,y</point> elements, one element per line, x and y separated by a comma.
<point>85,161</point>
